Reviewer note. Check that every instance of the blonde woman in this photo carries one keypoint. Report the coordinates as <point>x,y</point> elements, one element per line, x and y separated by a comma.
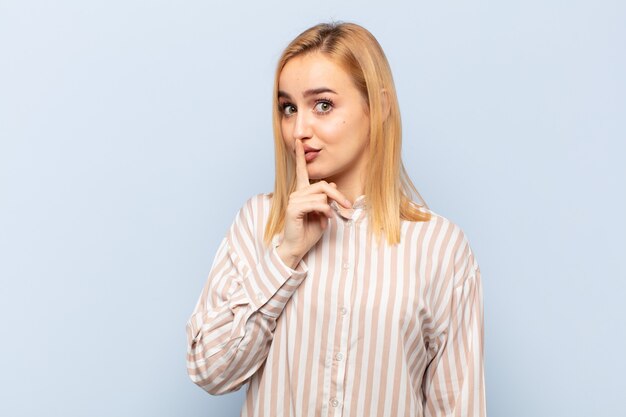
<point>337,294</point>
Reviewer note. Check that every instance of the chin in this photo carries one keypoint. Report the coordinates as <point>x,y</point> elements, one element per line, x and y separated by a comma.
<point>316,177</point>
<point>315,174</point>
<point>321,175</point>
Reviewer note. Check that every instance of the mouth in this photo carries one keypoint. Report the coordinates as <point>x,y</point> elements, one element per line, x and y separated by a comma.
<point>311,155</point>
<point>308,148</point>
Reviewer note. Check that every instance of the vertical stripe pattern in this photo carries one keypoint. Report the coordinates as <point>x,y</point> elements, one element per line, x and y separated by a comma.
<point>359,328</point>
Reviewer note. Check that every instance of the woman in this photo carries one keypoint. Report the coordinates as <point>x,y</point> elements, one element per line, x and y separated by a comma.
<point>336,293</point>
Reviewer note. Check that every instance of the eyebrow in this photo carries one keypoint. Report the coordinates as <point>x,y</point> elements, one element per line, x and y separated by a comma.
<point>307,93</point>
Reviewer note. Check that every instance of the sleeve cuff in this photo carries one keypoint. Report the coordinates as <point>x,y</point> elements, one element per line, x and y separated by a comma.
<point>272,283</point>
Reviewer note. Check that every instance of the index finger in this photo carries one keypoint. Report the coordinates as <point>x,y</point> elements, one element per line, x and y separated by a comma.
<point>302,175</point>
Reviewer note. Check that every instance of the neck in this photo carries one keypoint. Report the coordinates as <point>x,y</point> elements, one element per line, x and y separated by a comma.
<point>351,193</point>
<point>352,188</point>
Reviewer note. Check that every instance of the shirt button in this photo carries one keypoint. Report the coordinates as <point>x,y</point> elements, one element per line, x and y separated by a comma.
<point>344,311</point>
<point>339,356</point>
<point>259,296</point>
<point>349,223</point>
<point>346,265</point>
<point>334,402</point>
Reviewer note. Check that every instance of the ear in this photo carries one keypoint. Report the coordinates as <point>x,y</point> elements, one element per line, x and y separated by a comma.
<point>384,96</point>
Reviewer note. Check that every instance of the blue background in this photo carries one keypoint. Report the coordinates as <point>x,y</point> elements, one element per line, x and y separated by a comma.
<point>132,131</point>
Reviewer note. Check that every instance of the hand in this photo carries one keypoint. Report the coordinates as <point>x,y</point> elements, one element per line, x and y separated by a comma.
<point>307,212</point>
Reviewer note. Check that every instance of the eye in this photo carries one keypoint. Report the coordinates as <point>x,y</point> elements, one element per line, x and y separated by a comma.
<point>323,106</point>
<point>288,109</point>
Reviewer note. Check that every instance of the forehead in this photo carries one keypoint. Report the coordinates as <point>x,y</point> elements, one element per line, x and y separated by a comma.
<point>311,71</point>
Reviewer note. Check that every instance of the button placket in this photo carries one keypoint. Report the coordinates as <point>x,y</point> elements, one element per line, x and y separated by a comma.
<point>338,359</point>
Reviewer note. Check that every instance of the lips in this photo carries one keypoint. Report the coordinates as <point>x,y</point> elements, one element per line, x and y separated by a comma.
<point>309,156</point>
<point>310,149</point>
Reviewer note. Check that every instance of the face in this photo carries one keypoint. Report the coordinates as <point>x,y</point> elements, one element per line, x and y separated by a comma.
<point>321,106</point>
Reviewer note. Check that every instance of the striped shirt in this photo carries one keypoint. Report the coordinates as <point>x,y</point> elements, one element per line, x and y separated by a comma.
<point>356,329</point>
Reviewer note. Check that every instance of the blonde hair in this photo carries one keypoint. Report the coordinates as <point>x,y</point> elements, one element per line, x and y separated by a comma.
<point>388,187</point>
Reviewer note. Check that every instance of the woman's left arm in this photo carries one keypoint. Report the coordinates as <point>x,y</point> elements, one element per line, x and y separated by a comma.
<point>454,383</point>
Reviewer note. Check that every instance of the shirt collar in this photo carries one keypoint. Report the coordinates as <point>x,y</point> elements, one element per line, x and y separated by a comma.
<point>360,204</point>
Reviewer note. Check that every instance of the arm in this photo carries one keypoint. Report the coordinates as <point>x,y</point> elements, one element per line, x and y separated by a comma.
<point>231,328</point>
<point>454,383</point>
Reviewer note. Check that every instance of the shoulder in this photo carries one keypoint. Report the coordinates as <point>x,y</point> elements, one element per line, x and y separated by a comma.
<point>253,213</point>
<point>450,244</point>
<point>439,224</point>
<point>257,205</point>
<point>441,220</point>
<point>456,232</point>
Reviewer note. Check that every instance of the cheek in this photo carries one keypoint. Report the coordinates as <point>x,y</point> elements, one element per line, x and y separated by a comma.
<point>336,131</point>
<point>352,130</point>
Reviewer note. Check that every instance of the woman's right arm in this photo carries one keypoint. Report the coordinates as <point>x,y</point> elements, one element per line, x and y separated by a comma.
<point>231,328</point>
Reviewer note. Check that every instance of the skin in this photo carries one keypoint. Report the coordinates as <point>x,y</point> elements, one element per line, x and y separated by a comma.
<point>337,122</point>
<point>340,129</point>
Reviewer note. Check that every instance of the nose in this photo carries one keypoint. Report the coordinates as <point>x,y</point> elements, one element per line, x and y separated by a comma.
<point>302,126</point>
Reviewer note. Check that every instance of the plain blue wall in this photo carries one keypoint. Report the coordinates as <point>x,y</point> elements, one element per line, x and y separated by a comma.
<point>132,131</point>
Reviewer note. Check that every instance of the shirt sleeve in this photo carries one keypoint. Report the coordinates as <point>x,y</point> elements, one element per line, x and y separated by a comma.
<point>454,383</point>
<point>231,328</point>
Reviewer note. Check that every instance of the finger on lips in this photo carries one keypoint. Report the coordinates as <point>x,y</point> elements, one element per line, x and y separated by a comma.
<point>302,178</point>
<point>302,175</point>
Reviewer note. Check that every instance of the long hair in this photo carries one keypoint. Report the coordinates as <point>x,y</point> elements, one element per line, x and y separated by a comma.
<point>388,188</point>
